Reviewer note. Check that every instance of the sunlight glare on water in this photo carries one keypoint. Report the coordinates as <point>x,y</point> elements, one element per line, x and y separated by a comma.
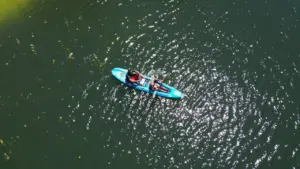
<point>239,110</point>
<point>219,121</point>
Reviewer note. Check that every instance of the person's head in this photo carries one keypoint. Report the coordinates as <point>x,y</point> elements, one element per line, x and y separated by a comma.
<point>131,72</point>
<point>156,86</point>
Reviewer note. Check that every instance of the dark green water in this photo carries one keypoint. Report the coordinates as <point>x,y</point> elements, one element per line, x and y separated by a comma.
<point>238,62</point>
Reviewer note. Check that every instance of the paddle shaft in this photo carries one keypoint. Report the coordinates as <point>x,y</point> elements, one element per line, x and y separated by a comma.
<point>151,84</point>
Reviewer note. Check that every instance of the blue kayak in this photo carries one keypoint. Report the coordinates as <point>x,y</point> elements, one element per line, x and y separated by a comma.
<point>144,85</point>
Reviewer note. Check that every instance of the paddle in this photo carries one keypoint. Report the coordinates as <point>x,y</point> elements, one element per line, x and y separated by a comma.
<point>155,90</point>
<point>154,94</point>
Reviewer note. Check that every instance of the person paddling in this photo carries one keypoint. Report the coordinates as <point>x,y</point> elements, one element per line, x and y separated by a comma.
<point>133,76</point>
<point>155,84</point>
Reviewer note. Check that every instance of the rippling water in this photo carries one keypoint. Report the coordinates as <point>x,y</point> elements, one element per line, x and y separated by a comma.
<point>236,62</point>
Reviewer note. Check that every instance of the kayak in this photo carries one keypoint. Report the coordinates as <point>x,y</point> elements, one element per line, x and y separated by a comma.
<point>144,85</point>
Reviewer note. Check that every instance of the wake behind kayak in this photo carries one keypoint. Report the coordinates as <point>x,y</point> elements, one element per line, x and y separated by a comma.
<point>144,85</point>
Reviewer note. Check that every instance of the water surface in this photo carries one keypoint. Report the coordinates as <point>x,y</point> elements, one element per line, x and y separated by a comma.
<point>237,63</point>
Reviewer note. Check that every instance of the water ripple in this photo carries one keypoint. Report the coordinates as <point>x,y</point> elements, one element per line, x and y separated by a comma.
<point>239,106</point>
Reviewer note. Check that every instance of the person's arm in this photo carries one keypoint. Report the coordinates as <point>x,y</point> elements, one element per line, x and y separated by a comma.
<point>133,80</point>
<point>139,73</point>
<point>159,82</point>
<point>152,81</point>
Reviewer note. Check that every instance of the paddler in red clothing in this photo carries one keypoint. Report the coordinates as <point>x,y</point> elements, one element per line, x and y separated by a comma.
<point>133,76</point>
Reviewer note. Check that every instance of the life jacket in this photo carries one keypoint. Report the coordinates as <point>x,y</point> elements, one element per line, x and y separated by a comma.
<point>133,75</point>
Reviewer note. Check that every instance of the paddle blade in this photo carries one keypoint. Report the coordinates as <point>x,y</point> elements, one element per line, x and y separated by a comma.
<point>154,94</point>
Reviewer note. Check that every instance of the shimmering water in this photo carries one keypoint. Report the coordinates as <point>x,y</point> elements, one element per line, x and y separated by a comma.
<point>237,63</point>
